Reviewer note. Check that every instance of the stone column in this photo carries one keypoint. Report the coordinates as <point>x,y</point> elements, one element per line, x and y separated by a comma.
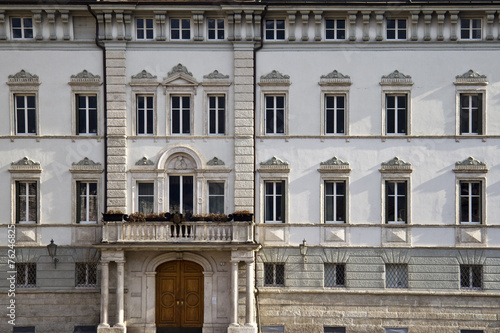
<point>234,294</point>
<point>104,294</point>
<point>120,282</point>
<point>250,307</point>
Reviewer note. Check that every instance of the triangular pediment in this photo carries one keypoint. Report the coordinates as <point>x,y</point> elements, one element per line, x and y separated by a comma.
<point>180,79</point>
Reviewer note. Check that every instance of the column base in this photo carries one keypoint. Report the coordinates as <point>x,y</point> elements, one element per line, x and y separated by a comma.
<point>242,329</point>
<point>111,329</point>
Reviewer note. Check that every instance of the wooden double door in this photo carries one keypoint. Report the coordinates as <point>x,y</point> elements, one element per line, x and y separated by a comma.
<point>179,297</point>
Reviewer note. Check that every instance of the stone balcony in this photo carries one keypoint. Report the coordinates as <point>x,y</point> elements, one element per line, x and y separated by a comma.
<point>184,232</point>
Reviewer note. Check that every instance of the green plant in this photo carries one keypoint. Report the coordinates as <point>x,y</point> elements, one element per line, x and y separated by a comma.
<point>137,217</point>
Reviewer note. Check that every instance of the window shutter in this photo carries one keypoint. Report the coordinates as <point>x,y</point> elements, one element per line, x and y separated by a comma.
<point>283,199</point>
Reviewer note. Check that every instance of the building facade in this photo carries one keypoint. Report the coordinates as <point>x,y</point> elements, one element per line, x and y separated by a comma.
<point>363,137</point>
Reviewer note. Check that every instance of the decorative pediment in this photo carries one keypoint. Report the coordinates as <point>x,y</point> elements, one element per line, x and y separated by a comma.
<point>85,78</point>
<point>396,78</point>
<point>396,165</point>
<point>274,161</point>
<point>25,165</point>
<point>274,164</point>
<point>215,161</point>
<point>470,165</point>
<point>23,77</point>
<point>179,69</point>
<point>144,161</point>
<point>216,79</point>
<point>334,165</point>
<point>180,76</point>
<point>335,78</point>
<point>275,78</point>
<point>216,75</point>
<point>471,77</point>
<point>86,164</point>
<point>144,75</point>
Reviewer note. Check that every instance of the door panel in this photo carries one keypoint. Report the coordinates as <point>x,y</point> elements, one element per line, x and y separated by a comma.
<point>179,296</point>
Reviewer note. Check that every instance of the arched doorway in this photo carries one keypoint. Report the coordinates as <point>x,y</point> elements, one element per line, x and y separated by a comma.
<point>179,297</point>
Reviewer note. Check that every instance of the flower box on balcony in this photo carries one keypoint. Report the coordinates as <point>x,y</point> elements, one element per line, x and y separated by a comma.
<point>112,216</point>
<point>242,216</point>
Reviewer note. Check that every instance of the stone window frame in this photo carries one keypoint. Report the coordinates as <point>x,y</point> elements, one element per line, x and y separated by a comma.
<point>25,170</point>
<point>470,170</point>
<point>22,17</point>
<point>470,271</point>
<point>23,83</point>
<point>334,265</point>
<point>138,196</point>
<point>398,267</point>
<point>186,85</point>
<point>144,172</point>
<point>396,170</point>
<point>87,171</point>
<point>275,18</point>
<point>334,84</point>
<point>470,82</point>
<point>87,84</point>
<point>274,266</point>
<point>273,170</point>
<point>335,16</point>
<point>28,268</point>
<point>215,171</point>
<point>397,18</point>
<point>215,84</point>
<point>470,17</point>
<point>396,83</point>
<point>334,170</point>
<point>136,28</point>
<point>144,84</point>
<point>225,30</point>
<point>180,17</point>
<point>274,84</point>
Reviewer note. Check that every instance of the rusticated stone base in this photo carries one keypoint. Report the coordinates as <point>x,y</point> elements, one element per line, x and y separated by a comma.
<point>242,329</point>
<point>111,330</point>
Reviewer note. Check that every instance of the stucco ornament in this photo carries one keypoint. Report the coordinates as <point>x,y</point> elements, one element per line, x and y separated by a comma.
<point>396,75</point>
<point>23,75</point>
<point>470,161</point>
<point>216,75</point>
<point>180,164</point>
<point>144,75</point>
<point>334,161</point>
<point>275,75</point>
<point>471,74</point>
<point>144,161</point>
<point>86,161</point>
<point>216,161</point>
<point>335,75</point>
<point>274,161</point>
<point>179,68</point>
<point>25,161</point>
<point>396,161</point>
<point>85,75</point>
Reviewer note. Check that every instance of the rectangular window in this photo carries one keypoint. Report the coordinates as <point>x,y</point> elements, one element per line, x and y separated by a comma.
<point>26,202</point>
<point>274,275</point>
<point>86,274</point>
<point>180,29</point>
<point>470,29</point>
<point>215,29</point>
<point>396,276</point>
<point>334,330</point>
<point>26,275</point>
<point>275,114</point>
<point>22,27</point>
<point>25,106</point>
<point>471,331</point>
<point>274,201</point>
<point>334,275</point>
<point>23,329</point>
<point>335,29</point>
<point>85,329</point>
<point>275,29</point>
<point>216,114</point>
<point>145,114</point>
<point>396,29</point>
<point>396,114</point>
<point>334,114</point>
<point>396,330</point>
<point>144,28</point>
<point>273,329</point>
<point>181,114</point>
<point>396,201</point>
<point>86,119</point>
<point>145,197</point>
<point>471,277</point>
<point>216,197</point>
<point>470,202</point>
<point>471,114</point>
<point>181,194</point>
<point>86,211</point>
<point>335,197</point>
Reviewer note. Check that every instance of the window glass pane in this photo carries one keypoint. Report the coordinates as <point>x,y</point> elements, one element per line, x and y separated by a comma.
<point>187,194</point>
<point>174,194</point>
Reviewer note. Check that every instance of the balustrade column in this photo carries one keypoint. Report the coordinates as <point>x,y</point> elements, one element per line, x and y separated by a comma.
<point>104,294</point>
<point>120,282</point>
<point>250,307</point>
<point>234,293</point>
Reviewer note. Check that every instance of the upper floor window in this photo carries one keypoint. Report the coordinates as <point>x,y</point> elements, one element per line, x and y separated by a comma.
<point>86,119</point>
<point>26,275</point>
<point>334,275</point>
<point>471,277</point>
<point>335,201</point>
<point>145,29</point>
<point>26,201</point>
<point>471,113</point>
<point>145,197</point>
<point>145,114</point>
<point>181,194</point>
<point>25,111</point>
<point>331,329</point>
<point>275,114</point>
<point>215,29</point>
<point>181,114</point>
<point>396,202</point>
<point>335,29</point>
<point>396,103</point>
<point>396,29</point>
<point>274,275</point>
<point>216,114</point>
<point>470,201</point>
<point>22,27</point>
<point>275,29</point>
<point>396,114</point>
<point>180,29</point>
<point>86,206</point>
<point>396,276</point>
<point>216,197</point>
<point>470,28</point>
<point>335,114</point>
<point>86,274</point>
<point>274,201</point>
<point>396,179</point>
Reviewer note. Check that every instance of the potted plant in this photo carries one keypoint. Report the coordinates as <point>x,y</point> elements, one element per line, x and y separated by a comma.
<point>242,215</point>
<point>137,217</point>
<point>113,215</point>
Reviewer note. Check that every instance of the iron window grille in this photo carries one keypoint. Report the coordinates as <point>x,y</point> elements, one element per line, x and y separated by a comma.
<point>396,276</point>
<point>86,274</point>
<point>26,275</point>
<point>471,277</point>
<point>334,275</point>
<point>274,275</point>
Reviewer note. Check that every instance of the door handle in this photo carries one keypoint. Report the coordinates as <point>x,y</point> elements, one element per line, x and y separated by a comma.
<point>182,302</point>
<point>178,302</point>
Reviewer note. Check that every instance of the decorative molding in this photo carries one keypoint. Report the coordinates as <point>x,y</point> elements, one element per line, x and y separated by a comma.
<point>144,161</point>
<point>216,78</point>
<point>335,78</point>
<point>85,75</point>
<point>471,77</point>
<point>85,78</point>
<point>23,77</point>
<point>334,165</point>
<point>86,164</point>
<point>215,162</point>
<point>396,78</point>
<point>274,161</point>
<point>274,164</point>
<point>396,165</point>
<point>180,72</point>
<point>25,165</point>
<point>143,75</point>
<point>470,165</point>
<point>216,75</point>
<point>86,161</point>
<point>143,79</point>
<point>275,78</point>
<point>178,69</point>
